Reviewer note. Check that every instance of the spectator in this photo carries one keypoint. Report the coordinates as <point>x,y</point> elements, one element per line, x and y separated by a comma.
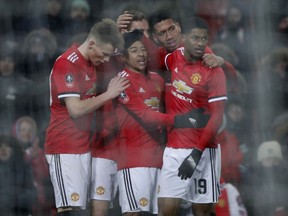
<point>280,131</point>
<point>264,187</point>
<point>271,89</point>
<point>280,39</point>
<point>230,202</point>
<point>14,87</point>
<point>52,19</point>
<point>237,119</point>
<point>239,86</point>
<point>237,35</point>
<point>213,11</point>
<point>16,183</point>
<point>232,155</point>
<point>78,19</point>
<point>39,51</point>
<point>26,132</point>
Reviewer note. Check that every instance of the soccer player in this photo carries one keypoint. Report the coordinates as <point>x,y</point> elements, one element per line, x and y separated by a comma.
<point>136,20</point>
<point>191,159</point>
<point>166,31</point>
<point>72,103</point>
<point>139,153</point>
<point>104,151</point>
<point>104,184</point>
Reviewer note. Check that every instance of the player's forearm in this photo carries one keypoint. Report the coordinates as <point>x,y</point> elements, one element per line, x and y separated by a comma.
<point>79,108</point>
<point>214,123</point>
<point>158,118</point>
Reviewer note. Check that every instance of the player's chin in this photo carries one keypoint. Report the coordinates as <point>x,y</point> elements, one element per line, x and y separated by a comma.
<point>198,53</point>
<point>97,63</point>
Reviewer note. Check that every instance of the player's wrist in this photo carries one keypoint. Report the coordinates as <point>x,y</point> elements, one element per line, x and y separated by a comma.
<point>220,61</point>
<point>196,154</point>
<point>108,95</point>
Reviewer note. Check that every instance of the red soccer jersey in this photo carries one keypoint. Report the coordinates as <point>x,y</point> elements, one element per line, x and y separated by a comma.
<point>136,147</point>
<point>193,85</point>
<point>71,76</point>
<point>157,55</point>
<point>104,141</point>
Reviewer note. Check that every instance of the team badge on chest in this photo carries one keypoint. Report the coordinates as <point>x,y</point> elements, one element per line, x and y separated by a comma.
<point>196,78</point>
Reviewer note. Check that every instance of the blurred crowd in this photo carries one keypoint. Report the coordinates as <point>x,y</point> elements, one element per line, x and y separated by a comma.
<point>253,137</point>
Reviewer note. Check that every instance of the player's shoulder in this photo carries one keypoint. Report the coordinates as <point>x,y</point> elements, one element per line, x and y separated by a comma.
<point>218,70</point>
<point>154,76</point>
<point>123,74</point>
<point>69,56</point>
<point>176,54</point>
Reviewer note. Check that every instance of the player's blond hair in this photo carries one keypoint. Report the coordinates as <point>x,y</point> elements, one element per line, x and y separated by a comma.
<point>106,31</point>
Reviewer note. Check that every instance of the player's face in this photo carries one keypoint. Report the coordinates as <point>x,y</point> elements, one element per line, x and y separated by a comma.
<point>136,59</point>
<point>195,42</point>
<point>168,34</point>
<point>141,25</point>
<point>99,53</point>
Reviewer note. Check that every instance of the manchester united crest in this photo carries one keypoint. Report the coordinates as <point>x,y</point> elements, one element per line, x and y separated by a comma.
<point>196,78</point>
<point>75,197</point>
<point>100,190</point>
<point>221,203</point>
<point>143,202</point>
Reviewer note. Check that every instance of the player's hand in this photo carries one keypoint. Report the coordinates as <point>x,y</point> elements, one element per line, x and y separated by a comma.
<point>212,60</point>
<point>194,119</point>
<point>116,86</point>
<point>123,21</point>
<point>189,164</point>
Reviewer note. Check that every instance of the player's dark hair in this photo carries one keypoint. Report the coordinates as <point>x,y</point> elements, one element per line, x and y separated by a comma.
<point>107,32</point>
<point>137,16</point>
<point>192,23</point>
<point>130,38</point>
<point>159,16</point>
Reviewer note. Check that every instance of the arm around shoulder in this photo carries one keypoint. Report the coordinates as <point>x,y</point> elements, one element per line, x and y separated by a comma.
<point>77,107</point>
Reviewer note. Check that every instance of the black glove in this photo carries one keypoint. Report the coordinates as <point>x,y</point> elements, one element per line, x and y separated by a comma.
<point>189,164</point>
<point>194,119</point>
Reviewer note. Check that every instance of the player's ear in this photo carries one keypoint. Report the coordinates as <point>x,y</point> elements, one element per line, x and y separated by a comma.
<point>184,37</point>
<point>178,26</point>
<point>91,43</point>
<point>123,58</point>
<point>155,38</point>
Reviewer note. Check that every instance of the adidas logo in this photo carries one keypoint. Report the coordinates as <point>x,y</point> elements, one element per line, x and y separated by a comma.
<point>87,77</point>
<point>193,121</point>
<point>176,69</point>
<point>141,90</point>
